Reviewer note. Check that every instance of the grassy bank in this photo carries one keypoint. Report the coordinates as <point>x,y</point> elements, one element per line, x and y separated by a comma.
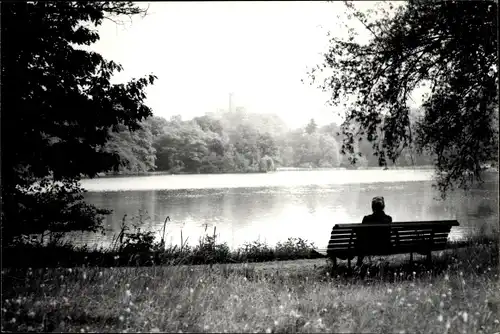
<point>142,250</point>
<point>459,293</point>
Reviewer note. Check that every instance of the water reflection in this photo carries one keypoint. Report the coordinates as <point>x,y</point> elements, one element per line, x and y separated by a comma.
<point>273,214</point>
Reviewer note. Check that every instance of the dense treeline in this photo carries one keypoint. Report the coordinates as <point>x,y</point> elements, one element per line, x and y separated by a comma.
<point>237,141</point>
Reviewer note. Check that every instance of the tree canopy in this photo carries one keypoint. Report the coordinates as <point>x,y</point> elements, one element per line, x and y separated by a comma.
<point>58,111</point>
<point>450,47</point>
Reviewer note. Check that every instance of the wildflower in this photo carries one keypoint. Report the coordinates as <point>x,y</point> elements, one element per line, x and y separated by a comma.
<point>379,304</point>
<point>461,274</point>
<point>441,304</point>
<point>440,318</point>
<point>127,310</point>
<point>275,322</point>
<point>495,321</point>
<point>389,290</point>
<point>84,276</point>
<point>127,285</point>
<point>448,324</point>
<point>42,285</point>
<point>281,307</point>
<point>191,290</point>
<point>82,330</point>
<point>31,314</point>
<point>128,293</point>
<point>245,279</point>
<point>61,277</point>
<point>465,316</point>
<point>121,318</point>
<point>147,289</point>
<point>100,274</point>
<point>444,295</point>
<point>70,270</point>
<point>446,277</point>
<point>13,320</point>
<point>268,330</point>
<point>206,327</point>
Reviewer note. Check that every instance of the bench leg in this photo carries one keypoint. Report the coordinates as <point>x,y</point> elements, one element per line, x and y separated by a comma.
<point>334,260</point>
<point>429,258</point>
<point>349,262</point>
<point>411,258</point>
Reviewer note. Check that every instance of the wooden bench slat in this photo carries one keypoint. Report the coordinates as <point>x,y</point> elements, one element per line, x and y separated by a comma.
<point>342,239</point>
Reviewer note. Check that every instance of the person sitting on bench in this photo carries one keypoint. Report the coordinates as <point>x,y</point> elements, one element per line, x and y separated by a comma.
<point>373,238</point>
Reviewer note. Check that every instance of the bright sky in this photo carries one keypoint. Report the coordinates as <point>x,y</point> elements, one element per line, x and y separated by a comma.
<point>202,51</point>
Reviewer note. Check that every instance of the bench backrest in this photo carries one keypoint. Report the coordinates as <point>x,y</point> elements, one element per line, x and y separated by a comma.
<point>387,238</point>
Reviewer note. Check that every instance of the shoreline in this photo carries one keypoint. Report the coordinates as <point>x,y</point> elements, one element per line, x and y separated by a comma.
<point>208,252</point>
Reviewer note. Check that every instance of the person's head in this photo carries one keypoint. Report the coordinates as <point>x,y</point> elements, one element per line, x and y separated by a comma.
<point>378,204</point>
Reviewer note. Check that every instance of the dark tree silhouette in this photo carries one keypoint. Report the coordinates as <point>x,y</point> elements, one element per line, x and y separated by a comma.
<point>450,46</point>
<point>58,107</point>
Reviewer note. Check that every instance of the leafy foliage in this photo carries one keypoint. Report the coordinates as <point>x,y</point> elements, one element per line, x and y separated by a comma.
<point>450,47</point>
<point>58,109</point>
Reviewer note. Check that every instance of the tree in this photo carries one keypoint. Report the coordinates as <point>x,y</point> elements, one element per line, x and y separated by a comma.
<point>58,107</point>
<point>448,46</point>
<point>135,148</point>
<point>311,127</point>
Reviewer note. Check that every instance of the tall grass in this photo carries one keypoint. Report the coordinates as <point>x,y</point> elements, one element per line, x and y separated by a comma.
<point>458,294</point>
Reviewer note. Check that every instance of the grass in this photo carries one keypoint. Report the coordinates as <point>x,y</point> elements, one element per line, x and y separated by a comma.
<point>459,293</point>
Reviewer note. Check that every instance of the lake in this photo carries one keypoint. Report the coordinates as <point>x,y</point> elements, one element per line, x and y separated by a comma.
<point>274,206</point>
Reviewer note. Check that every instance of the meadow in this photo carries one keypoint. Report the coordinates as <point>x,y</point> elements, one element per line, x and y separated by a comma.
<point>458,293</point>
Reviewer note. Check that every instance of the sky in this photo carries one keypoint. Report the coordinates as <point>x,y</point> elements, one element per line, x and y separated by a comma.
<point>203,51</point>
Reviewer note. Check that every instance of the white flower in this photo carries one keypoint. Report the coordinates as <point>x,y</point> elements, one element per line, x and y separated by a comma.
<point>440,318</point>
<point>268,330</point>
<point>128,293</point>
<point>127,310</point>
<point>465,316</point>
<point>389,290</point>
<point>121,318</point>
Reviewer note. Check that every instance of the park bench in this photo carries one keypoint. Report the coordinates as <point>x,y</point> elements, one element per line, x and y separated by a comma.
<point>349,240</point>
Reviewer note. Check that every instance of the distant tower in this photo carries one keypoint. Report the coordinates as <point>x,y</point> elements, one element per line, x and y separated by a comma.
<point>231,102</point>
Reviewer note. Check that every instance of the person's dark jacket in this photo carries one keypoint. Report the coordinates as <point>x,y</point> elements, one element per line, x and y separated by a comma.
<point>377,218</point>
<point>371,238</point>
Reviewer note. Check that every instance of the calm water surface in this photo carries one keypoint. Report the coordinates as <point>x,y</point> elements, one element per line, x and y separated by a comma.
<point>272,207</point>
